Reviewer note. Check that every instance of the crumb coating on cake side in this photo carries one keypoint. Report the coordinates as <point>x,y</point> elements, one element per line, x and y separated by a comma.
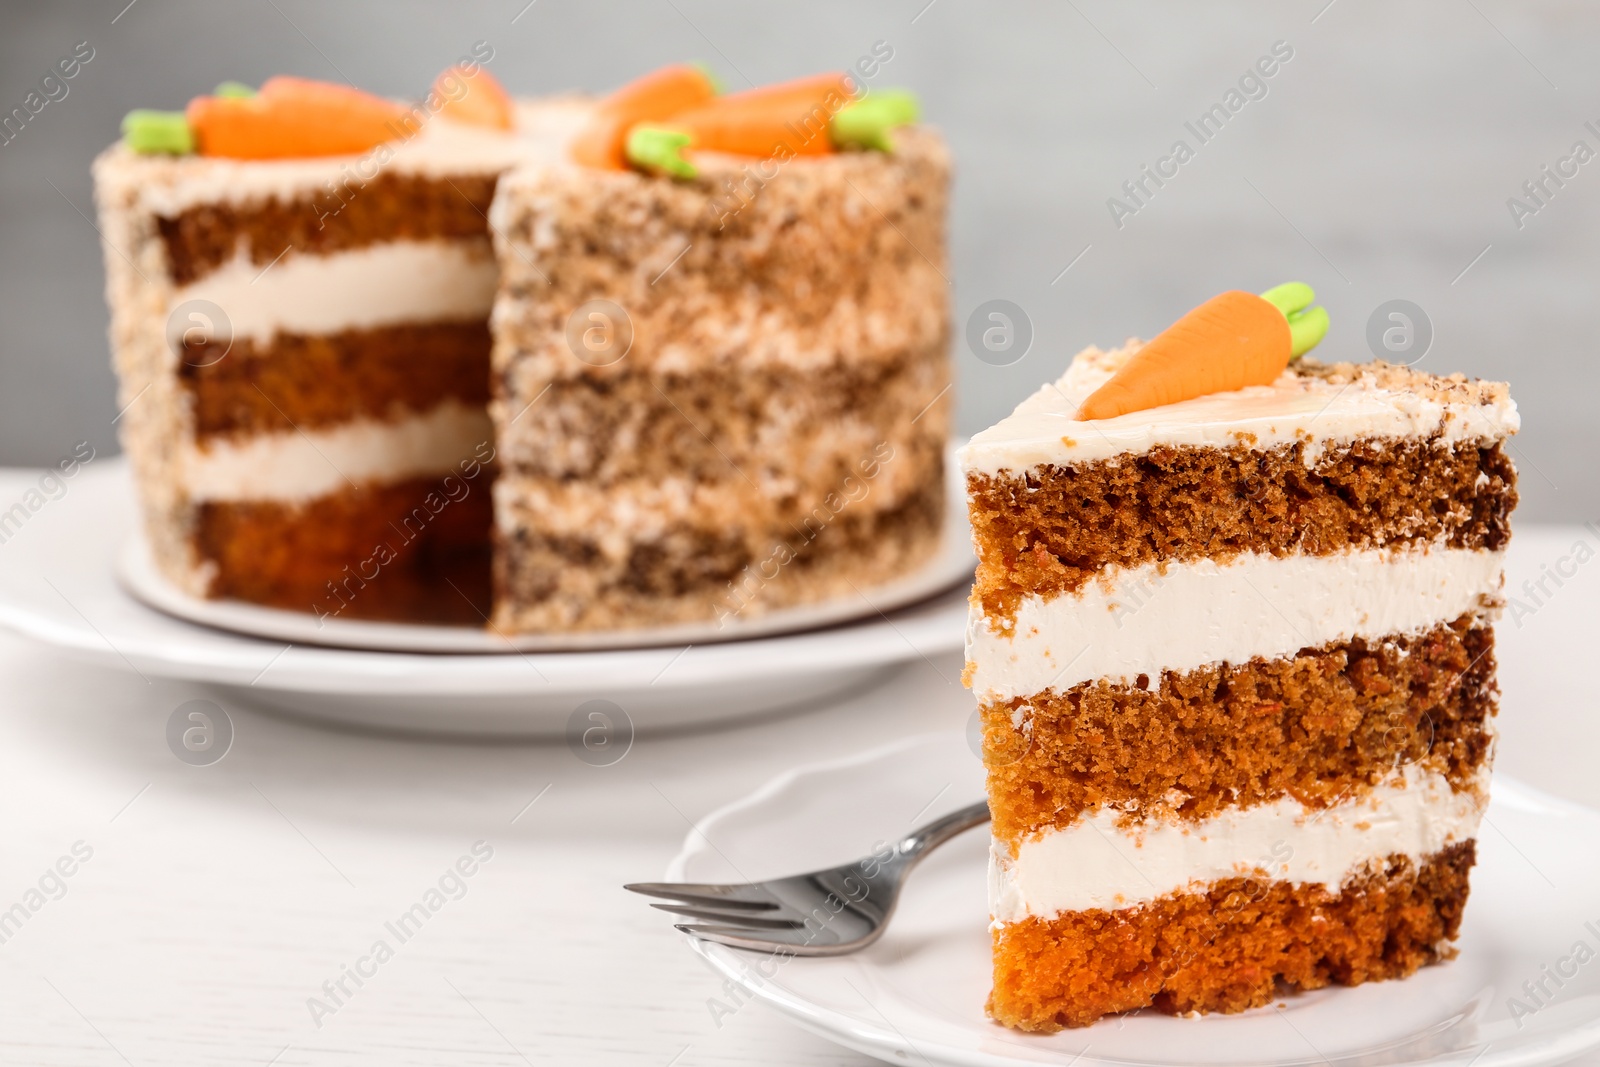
<point>775,431</point>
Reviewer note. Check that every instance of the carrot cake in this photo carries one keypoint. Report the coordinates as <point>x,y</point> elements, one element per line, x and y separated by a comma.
<point>720,364</point>
<point>1231,642</point>
<point>300,282</point>
<point>719,380</point>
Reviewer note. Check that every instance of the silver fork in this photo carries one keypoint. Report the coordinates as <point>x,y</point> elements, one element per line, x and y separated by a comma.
<point>824,913</point>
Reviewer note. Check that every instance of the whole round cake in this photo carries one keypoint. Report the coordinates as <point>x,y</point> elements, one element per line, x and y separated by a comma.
<point>551,365</point>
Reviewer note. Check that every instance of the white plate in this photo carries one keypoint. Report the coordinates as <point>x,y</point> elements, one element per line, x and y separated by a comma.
<point>951,566</point>
<point>57,586</point>
<point>917,995</point>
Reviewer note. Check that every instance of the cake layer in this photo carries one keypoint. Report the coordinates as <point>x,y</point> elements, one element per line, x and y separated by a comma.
<point>630,556</point>
<point>413,550</point>
<point>1102,862</point>
<point>1320,727</point>
<point>1184,615</point>
<point>207,238</point>
<point>294,466</point>
<point>1319,405</point>
<point>1052,530</point>
<point>1227,946</point>
<point>319,380</point>
<point>398,281</point>
<point>791,433</point>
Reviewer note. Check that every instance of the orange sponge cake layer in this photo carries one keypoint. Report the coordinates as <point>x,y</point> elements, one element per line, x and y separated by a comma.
<point>333,217</point>
<point>1209,503</point>
<point>1318,725</point>
<point>412,550</point>
<point>1228,947</point>
<point>312,381</point>
<point>1235,664</point>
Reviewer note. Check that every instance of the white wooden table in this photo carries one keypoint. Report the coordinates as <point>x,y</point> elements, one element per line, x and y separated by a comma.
<point>218,900</point>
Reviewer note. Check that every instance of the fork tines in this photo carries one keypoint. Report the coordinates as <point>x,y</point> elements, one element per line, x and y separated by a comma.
<point>743,897</point>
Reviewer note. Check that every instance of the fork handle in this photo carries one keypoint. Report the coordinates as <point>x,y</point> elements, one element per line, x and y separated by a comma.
<point>923,839</point>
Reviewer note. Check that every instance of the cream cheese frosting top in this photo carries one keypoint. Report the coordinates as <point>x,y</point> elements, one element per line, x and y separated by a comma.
<point>1321,405</point>
<point>168,185</point>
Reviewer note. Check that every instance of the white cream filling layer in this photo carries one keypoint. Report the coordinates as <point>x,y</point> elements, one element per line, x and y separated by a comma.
<point>292,466</point>
<point>1044,428</point>
<point>362,288</point>
<point>1128,622</point>
<point>1096,864</point>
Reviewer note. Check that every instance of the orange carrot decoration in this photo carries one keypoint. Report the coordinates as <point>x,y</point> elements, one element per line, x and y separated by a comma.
<point>293,118</point>
<point>476,98</point>
<point>1231,341</point>
<point>808,88</point>
<point>788,119</point>
<point>658,95</point>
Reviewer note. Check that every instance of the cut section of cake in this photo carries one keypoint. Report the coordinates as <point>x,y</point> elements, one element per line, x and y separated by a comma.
<point>1234,661</point>
<point>721,380</point>
<point>300,330</point>
<point>301,280</point>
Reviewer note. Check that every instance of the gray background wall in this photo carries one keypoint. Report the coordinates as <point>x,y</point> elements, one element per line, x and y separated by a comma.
<point>1377,166</point>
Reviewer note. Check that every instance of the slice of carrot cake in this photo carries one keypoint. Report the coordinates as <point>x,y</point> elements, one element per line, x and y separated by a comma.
<point>1231,641</point>
<point>300,281</point>
<point>721,363</point>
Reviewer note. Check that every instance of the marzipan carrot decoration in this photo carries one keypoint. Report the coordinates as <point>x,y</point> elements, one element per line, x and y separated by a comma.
<point>867,122</point>
<point>834,85</point>
<point>658,95</point>
<point>811,116</point>
<point>476,98</point>
<point>293,118</point>
<point>157,132</point>
<point>167,132</point>
<point>1229,342</point>
<point>794,114</point>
